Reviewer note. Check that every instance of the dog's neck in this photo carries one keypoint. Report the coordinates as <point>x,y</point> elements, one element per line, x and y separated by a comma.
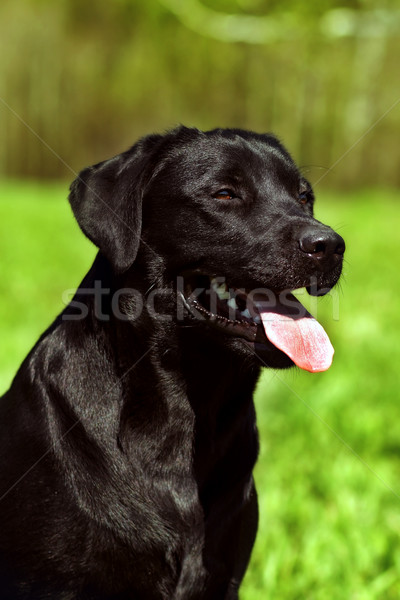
<point>199,384</point>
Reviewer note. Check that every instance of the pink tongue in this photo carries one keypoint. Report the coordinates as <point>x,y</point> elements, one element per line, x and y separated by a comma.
<point>297,334</point>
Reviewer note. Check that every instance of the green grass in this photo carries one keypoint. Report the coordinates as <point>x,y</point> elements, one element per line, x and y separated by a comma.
<point>329,470</point>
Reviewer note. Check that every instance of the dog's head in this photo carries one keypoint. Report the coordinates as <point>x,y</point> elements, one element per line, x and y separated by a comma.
<point>230,218</point>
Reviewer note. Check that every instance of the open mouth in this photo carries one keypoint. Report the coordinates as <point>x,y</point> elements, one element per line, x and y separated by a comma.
<point>261,318</point>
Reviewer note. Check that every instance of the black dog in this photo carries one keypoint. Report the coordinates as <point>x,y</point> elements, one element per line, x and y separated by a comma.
<point>128,437</point>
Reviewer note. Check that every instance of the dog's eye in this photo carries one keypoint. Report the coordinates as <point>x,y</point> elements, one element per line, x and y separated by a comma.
<point>305,194</point>
<point>225,194</point>
<point>304,197</point>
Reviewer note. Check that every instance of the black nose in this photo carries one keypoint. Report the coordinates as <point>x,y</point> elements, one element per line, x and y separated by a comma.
<point>321,243</point>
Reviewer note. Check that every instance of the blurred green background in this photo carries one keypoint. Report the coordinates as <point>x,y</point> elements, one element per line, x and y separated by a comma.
<point>80,81</point>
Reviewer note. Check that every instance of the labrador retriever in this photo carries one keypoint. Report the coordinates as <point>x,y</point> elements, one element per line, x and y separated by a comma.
<point>128,436</point>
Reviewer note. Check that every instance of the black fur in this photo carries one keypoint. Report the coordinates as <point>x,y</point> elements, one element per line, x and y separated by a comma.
<point>128,436</point>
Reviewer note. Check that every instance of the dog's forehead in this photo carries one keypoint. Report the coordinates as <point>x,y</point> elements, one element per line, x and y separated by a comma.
<point>216,156</point>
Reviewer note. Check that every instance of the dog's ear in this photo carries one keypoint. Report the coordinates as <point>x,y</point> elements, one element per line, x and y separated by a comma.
<point>107,201</point>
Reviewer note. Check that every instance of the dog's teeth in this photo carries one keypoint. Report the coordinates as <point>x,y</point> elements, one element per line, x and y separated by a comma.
<point>246,313</point>
<point>220,289</point>
<point>223,292</point>
<point>232,303</point>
